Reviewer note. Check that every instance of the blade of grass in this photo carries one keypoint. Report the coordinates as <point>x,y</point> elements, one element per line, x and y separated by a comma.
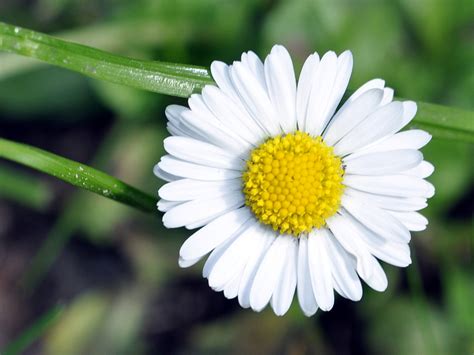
<point>68,221</point>
<point>34,332</point>
<point>19,187</point>
<point>421,307</point>
<point>114,37</point>
<point>166,78</point>
<point>182,80</point>
<point>77,174</point>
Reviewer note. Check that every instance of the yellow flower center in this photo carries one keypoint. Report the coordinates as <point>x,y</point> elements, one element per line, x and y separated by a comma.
<point>293,182</point>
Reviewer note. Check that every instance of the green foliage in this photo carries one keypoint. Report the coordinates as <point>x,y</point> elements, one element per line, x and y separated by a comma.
<point>422,49</point>
<point>166,78</point>
<point>76,174</point>
<point>34,332</point>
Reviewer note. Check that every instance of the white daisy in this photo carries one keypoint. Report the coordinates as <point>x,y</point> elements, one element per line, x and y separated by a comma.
<point>291,193</point>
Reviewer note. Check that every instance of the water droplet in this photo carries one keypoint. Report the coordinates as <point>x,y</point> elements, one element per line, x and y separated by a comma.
<point>17,30</point>
<point>105,192</point>
<point>80,167</point>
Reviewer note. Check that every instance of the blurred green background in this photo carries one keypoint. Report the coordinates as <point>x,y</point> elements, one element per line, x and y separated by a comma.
<point>115,270</point>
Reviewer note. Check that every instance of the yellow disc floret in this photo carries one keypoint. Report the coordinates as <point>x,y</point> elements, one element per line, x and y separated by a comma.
<point>293,182</point>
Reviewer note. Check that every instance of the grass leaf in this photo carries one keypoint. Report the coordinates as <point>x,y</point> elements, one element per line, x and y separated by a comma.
<point>165,78</point>
<point>183,80</point>
<point>77,174</point>
<point>35,331</point>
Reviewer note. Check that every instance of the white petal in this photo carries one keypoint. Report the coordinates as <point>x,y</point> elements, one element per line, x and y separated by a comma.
<point>255,98</point>
<point>233,260</point>
<point>232,115</point>
<point>285,289</point>
<point>214,132</point>
<point>163,175</point>
<point>187,189</point>
<point>412,139</point>
<point>174,115</point>
<point>387,96</point>
<point>281,84</point>
<point>265,238</point>
<point>382,163</point>
<point>255,65</point>
<point>305,83</point>
<point>268,273</point>
<point>173,112</point>
<point>343,270</point>
<point>220,74</point>
<point>196,210</point>
<point>376,219</point>
<point>390,202</point>
<point>409,112</point>
<point>344,71</point>
<point>381,123</point>
<point>305,292</point>
<point>392,252</point>
<point>422,170</point>
<point>220,250</point>
<point>351,114</point>
<point>320,269</point>
<point>343,230</point>
<point>184,169</point>
<point>371,84</point>
<point>202,153</point>
<point>165,205</point>
<point>414,221</point>
<point>322,84</point>
<point>184,263</point>
<point>377,280</point>
<point>231,288</point>
<point>391,185</point>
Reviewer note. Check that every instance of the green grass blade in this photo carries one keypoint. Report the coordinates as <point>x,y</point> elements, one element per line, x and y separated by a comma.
<point>183,80</point>
<point>34,332</point>
<point>77,174</point>
<point>445,122</point>
<point>165,78</point>
<point>22,188</point>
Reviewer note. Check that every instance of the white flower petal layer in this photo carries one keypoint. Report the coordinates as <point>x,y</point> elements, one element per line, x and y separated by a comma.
<point>285,289</point>
<point>268,273</point>
<point>383,122</point>
<point>196,210</point>
<point>181,168</point>
<point>281,84</point>
<point>305,288</point>
<point>253,101</point>
<point>383,163</point>
<point>188,189</point>
<point>320,269</point>
<point>215,233</point>
<point>198,152</point>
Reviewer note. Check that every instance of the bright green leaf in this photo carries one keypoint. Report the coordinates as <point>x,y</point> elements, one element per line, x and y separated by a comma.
<point>77,174</point>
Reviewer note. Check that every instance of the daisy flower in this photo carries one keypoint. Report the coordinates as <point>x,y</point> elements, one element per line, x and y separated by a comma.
<point>292,193</point>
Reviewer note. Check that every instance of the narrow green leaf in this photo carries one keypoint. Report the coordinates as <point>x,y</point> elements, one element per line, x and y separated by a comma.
<point>116,37</point>
<point>183,80</point>
<point>77,174</point>
<point>22,188</point>
<point>445,122</point>
<point>35,331</point>
<point>165,78</point>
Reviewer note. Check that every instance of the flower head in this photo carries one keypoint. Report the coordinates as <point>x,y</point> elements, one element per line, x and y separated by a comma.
<point>290,193</point>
